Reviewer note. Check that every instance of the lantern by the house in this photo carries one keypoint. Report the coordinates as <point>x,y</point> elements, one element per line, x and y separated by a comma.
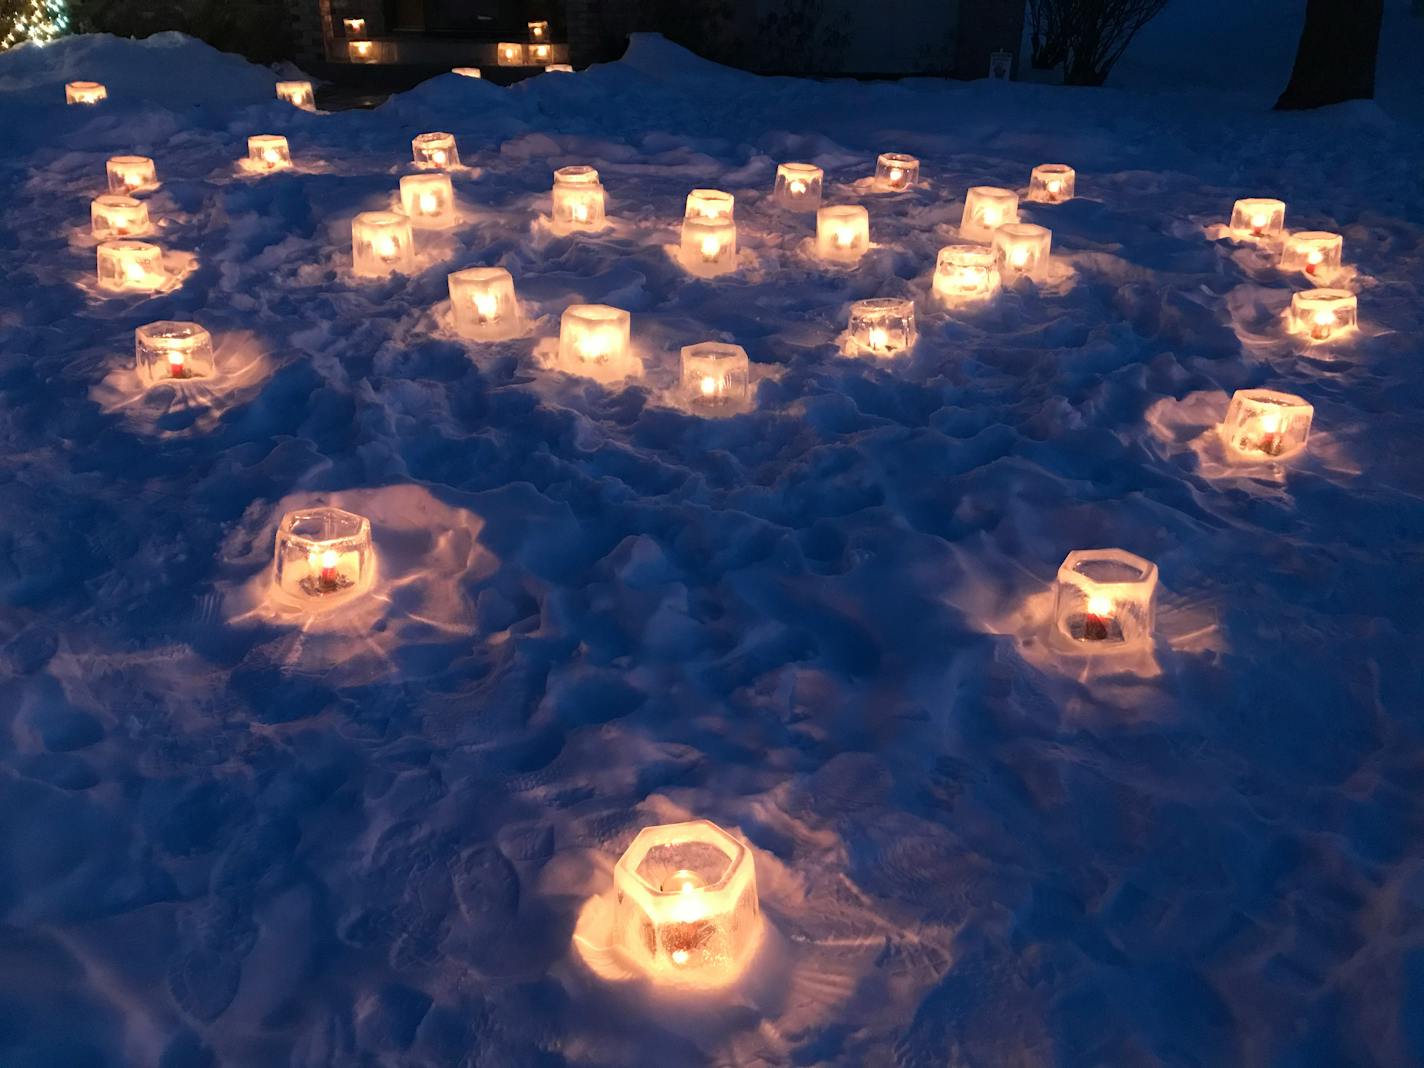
<point>298,94</point>
<point>483,304</point>
<point>428,199</point>
<point>709,246</point>
<point>172,352</point>
<point>467,72</point>
<point>362,51</point>
<point>84,93</point>
<point>1258,218</point>
<point>798,186</point>
<point>1022,249</point>
<point>895,172</point>
<point>539,53</point>
<point>1315,253</point>
<point>715,374</point>
<point>130,267</point>
<point>1263,425</point>
<point>511,54</point>
<point>381,244</point>
<point>1323,314</point>
<point>709,204</point>
<point>1052,183</point>
<point>882,326</point>
<point>842,233</point>
<point>324,556</point>
<point>436,150</point>
<point>559,68</point>
<point>577,200</point>
<point>131,174</point>
<point>539,31</point>
<point>354,27</point>
<point>685,904</point>
<point>1106,600</point>
<point>965,273</point>
<point>268,152</point>
<point>986,208</point>
<point>593,333</point>
<point>112,215</point>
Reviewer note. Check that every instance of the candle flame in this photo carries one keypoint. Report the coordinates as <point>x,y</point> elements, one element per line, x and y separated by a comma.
<point>844,238</point>
<point>438,156</point>
<point>270,155</point>
<point>133,178</point>
<point>429,204</point>
<point>580,212</point>
<point>991,216</point>
<point>708,385</point>
<point>176,359</point>
<point>1324,317</point>
<point>384,247</point>
<point>134,271</point>
<point>1055,186</point>
<point>1100,605</point>
<point>593,347</point>
<point>896,174</point>
<point>329,558</point>
<point>1019,257</point>
<point>796,186</point>
<point>711,248</point>
<point>1271,422</point>
<point>1314,256</point>
<point>1258,222</point>
<point>487,305</point>
<point>879,337</point>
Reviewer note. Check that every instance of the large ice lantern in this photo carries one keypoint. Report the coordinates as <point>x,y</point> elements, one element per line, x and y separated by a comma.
<point>798,186</point>
<point>895,172</point>
<point>842,233</point>
<point>1106,600</point>
<point>882,326</point>
<point>1323,314</point>
<point>577,200</point>
<point>435,150</point>
<point>130,266</point>
<point>1022,249</point>
<point>323,556</point>
<point>268,152</point>
<point>715,374</point>
<point>428,200</point>
<point>112,215</point>
<point>966,273</point>
<point>381,244</point>
<point>1258,218</point>
<point>172,352</point>
<point>483,304</point>
<point>1315,253</point>
<point>130,174</point>
<point>1052,183</point>
<point>986,208</point>
<point>593,333</point>
<point>1263,425</point>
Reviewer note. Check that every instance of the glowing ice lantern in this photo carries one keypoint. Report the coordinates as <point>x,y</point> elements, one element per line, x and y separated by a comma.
<point>483,303</point>
<point>381,244</point>
<point>1263,425</point>
<point>1052,183</point>
<point>131,266</point>
<point>966,273</point>
<point>798,186</point>
<point>842,233</point>
<point>467,72</point>
<point>1106,600</point>
<point>511,54</point>
<point>113,215</point>
<point>130,174</point>
<point>298,94</point>
<point>1323,314</point>
<point>882,326</point>
<point>84,93</point>
<point>1022,249</point>
<point>361,51</point>
<point>540,53</point>
<point>896,172</point>
<point>354,27</point>
<point>593,333</point>
<point>268,152</point>
<point>435,150</point>
<point>1258,218</point>
<point>1315,253</point>
<point>715,374</point>
<point>578,200</point>
<point>324,555</point>
<point>709,204</point>
<point>709,246</point>
<point>428,199</point>
<point>986,208</point>
<point>685,904</point>
<point>558,68</point>
<point>538,31</point>
<point>173,352</point>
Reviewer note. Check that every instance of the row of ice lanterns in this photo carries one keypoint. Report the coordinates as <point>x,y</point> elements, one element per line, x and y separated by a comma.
<point>537,51</point>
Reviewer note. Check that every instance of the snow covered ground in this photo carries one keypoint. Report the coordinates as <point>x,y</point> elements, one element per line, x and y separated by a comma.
<point>229,840</point>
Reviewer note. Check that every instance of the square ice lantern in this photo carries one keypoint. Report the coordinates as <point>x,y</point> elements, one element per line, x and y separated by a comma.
<point>882,326</point>
<point>1315,253</point>
<point>593,333</point>
<point>715,374</point>
<point>511,54</point>
<point>353,27</point>
<point>538,53</point>
<point>842,233</point>
<point>172,352</point>
<point>895,172</point>
<point>361,51</point>
<point>130,267</point>
<point>1258,218</point>
<point>298,94</point>
<point>435,150</point>
<point>986,208</point>
<point>483,304</point>
<point>323,556</point>
<point>1052,183</point>
<point>84,93</point>
<point>966,273</point>
<point>268,152</point>
<point>112,215</point>
<point>381,244</point>
<point>1264,425</point>
<point>1022,249</point>
<point>798,186</point>
<point>577,200</point>
<point>1323,314</point>
<point>709,246</point>
<point>685,904</point>
<point>709,204</point>
<point>539,31</point>
<point>428,200</point>
<point>130,174</point>
<point>1106,600</point>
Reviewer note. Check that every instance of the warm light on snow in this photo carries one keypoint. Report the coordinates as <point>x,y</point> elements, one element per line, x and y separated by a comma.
<point>437,150</point>
<point>709,245</point>
<point>130,266</point>
<point>483,304</point>
<point>965,273</point>
<point>1106,600</point>
<point>986,208</point>
<point>842,233</point>
<point>1052,183</point>
<point>593,333</point>
<point>577,200</point>
<point>882,326</point>
<point>1258,218</point>
<point>84,93</point>
<point>715,374</point>
<point>298,94</point>
<point>896,172</point>
<point>1315,253</point>
<point>131,174</point>
<point>1264,425</point>
<point>172,351</point>
<point>1323,314</point>
<point>268,152</point>
<point>114,215</point>
<point>428,199</point>
<point>798,186</point>
<point>381,244</point>
<point>1022,249</point>
<point>323,557</point>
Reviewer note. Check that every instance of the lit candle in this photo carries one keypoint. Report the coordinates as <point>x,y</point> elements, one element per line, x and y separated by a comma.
<point>798,186</point>
<point>539,52</point>
<point>483,304</point>
<point>1106,600</point>
<point>709,246</point>
<point>84,93</point>
<point>715,373</point>
<point>578,202</point>
<point>842,233</point>
<point>593,333</point>
<point>1258,218</point>
<point>326,560</point>
<point>298,94</point>
<point>538,31</point>
<point>1022,249</point>
<point>361,51</point>
<point>435,150</point>
<point>1265,424</point>
<point>1316,253</point>
<point>896,172</point>
<point>354,27</point>
<point>1099,617</point>
<point>130,174</point>
<point>381,244</point>
<point>428,199</point>
<point>1052,183</point>
<point>134,266</point>
<point>1322,314</point>
<point>986,208</point>
<point>164,351</point>
<point>511,54</point>
<point>324,557</point>
<point>882,326</point>
<point>965,273</point>
<point>112,215</point>
<point>268,152</point>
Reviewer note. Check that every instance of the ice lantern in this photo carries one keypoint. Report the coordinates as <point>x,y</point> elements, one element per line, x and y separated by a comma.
<point>715,374</point>
<point>1322,314</point>
<point>435,150</point>
<point>1315,253</point>
<point>268,152</point>
<point>578,200</point>
<point>323,556</point>
<point>113,215</point>
<point>1263,425</point>
<point>986,208</point>
<point>354,27</point>
<point>131,266</point>
<point>428,199</point>
<point>966,272</point>
<point>1258,218</point>
<point>1052,183</point>
<point>842,233</point>
<point>361,51</point>
<point>131,174</point>
<point>1022,249</point>
<point>798,186</point>
<point>539,53</point>
<point>538,31</point>
<point>709,204</point>
<point>173,352</point>
<point>1106,600</point>
<point>709,246</point>
<point>511,54</point>
<point>381,243</point>
<point>593,333</point>
<point>467,72</point>
<point>483,304</point>
<point>298,94</point>
<point>882,326</point>
<point>685,904</point>
<point>896,172</point>
<point>84,93</point>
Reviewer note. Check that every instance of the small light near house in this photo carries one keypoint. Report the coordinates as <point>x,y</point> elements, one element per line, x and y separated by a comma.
<point>428,200</point>
<point>539,53</point>
<point>361,51</point>
<point>435,150</point>
<point>324,556</point>
<point>798,186</point>
<point>1106,600</point>
<point>986,208</point>
<point>84,93</point>
<point>381,244</point>
<point>354,27</point>
<point>131,174</point>
<point>113,215</point>
<point>895,172</point>
<point>131,267</point>
<point>268,152</point>
<point>965,273</point>
<point>882,326</point>
<point>1323,314</point>
<point>172,352</point>
<point>709,204</point>
<point>593,333</point>
<point>715,374</point>
<point>577,199</point>
<point>709,246</point>
<point>298,94</point>
<point>467,72</point>
<point>842,233</point>
<point>1052,183</point>
<point>1258,218</point>
<point>511,54</point>
<point>538,31</point>
<point>1022,249</point>
<point>1315,253</point>
<point>1264,425</point>
<point>483,304</point>
<point>558,68</point>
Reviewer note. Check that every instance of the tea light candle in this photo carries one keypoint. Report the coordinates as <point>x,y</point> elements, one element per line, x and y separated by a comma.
<point>511,54</point>
<point>539,53</point>
<point>324,556</point>
<point>1052,183</point>
<point>558,68</point>
<point>842,233</point>
<point>84,93</point>
<point>1323,314</point>
<point>361,51</point>
<point>539,31</point>
<point>709,246</point>
<point>298,94</point>
<point>131,174</point>
<point>966,273</point>
<point>435,150</point>
<point>715,374</point>
<point>130,266</point>
<point>268,152</point>
<point>381,244</point>
<point>986,208</point>
<point>896,172</point>
<point>483,304</point>
<point>171,351</point>
<point>1264,425</point>
<point>593,333</point>
<point>1022,249</point>
<point>467,72</point>
<point>1314,253</point>
<point>1106,600</point>
<point>798,186</point>
<point>578,200</point>
<point>113,216</point>
<point>882,326</point>
<point>709,204</point>
<point>354,27</point>
<point>428,199</point>
<point>1258,218</point>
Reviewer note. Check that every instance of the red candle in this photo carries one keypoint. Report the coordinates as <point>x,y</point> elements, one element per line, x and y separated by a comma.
<point>177,365</point>
<point>1271,434</point>
<point>1095,626</point>
<point>328,570</point>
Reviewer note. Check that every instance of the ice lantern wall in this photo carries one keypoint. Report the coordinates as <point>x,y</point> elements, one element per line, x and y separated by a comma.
<point>323,557</point>
<point>842,233</point>
<point>577,200</point>
<point>1258,218</point>
<point>483,304</point>
<point>1263,425</point>
<point>172,352</point>
<point>986,208</point>
<point>1106,600</point>
<point>130,174</point>
<point>685,904</point>
<point>715,374</point>
<point>798,186</point>
<point>1323,314</point>
<point>114,216</point>
<point>381,244</point>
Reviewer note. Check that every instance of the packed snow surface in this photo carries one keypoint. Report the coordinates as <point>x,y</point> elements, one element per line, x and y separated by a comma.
<point>233,837</point>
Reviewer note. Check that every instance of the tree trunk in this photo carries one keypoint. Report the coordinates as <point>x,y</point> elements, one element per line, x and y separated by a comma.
<point>1336,57</point>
